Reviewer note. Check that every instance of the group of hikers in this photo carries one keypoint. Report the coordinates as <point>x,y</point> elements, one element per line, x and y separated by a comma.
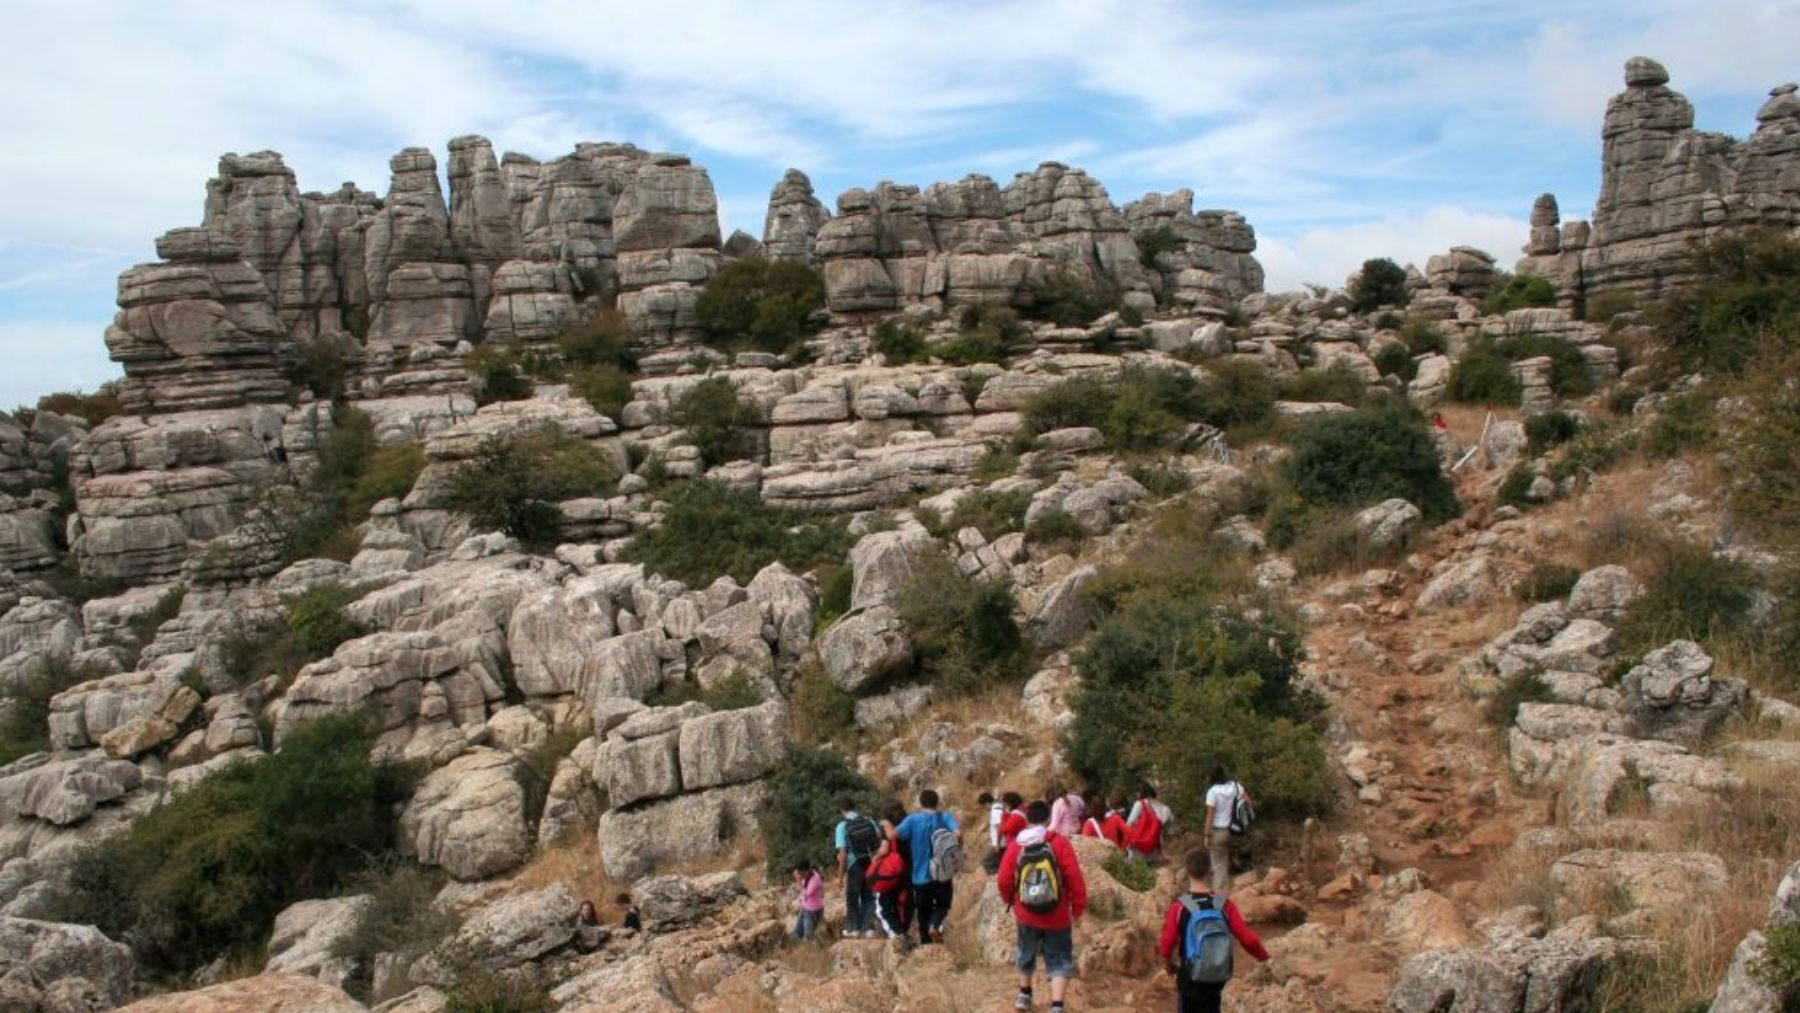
<point>898,871</point>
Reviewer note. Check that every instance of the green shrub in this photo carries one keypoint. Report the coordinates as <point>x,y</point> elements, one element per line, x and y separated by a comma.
<point>1591,451</point>
<point>391,472</point>
<point>1422,337</point>
<point>759,303</point>
<point>1238,393</point>
<point>989,332</point>
<point>1569,375</point>
<point>992,513</point>
<point>712,530</point>
<point>1484,376</point>
<point>1764,488</point>
<point>900,342</point>
<point>1171,686</point>
<point>805,791</point>
<point>834,593</point>
<point>1337,384</point>
<point>1153,243</point>
<point>312,626</point>
<point>1689,594</point>
<point>736,691</point>
<point>1547,582</point>
<point>1519,291</point>
<point>964,636</point>
<point>607,388</point>
<point>1682,423</point>
<point>1326,540</point>
<point>1176,557</point>
<point>513,483</point>
<point>1053,528</point>
<point>476,987</point>
<point>995,465</point>
<point>1131,873</point>
<point>1515,488</point>
<point>1358,458</point>
<point>1161,479</point>
<point>717,421</point>
<point>1745,298</point>
<point>1381,282</point>
<point>1502,709</point>
<point>1145,408</point>
<point>1387,321</point>
<point>93,408</point>
<point>822,709</point>
<point>499,374</point>
<point>1624,400</point>
<point>1071,404</point>
<point>205,873</point>
<point>1396,360</point>
<point>1548,430</point>
<point>25,721</point>
<point>1068,299</point>
<point>1779,967</point>
<point>319,367</point>
<point>604,340</point>
<point>1603,307</point>
<point>402,920</point>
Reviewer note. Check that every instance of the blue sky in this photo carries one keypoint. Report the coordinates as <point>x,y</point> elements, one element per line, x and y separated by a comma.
<point>1343,130</point>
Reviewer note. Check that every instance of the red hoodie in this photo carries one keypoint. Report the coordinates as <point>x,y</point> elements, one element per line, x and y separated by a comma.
<point>1240,930</point>
<point>1010,826</point>
<point>1074,888</point>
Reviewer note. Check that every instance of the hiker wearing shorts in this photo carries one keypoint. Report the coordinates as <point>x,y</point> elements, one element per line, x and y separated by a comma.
<point>1040,879</point>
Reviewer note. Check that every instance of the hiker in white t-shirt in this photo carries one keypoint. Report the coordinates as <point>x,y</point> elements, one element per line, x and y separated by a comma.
<point>1221,799</point>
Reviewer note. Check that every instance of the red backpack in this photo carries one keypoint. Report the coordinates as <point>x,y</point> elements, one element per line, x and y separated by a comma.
<point>1146,836</point>
<point>888,872</point>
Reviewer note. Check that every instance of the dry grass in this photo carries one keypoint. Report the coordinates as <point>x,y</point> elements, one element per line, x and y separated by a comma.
<point>576,865</point>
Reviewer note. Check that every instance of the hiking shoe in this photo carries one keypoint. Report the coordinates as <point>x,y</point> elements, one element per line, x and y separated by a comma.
<point>1022,1001</point>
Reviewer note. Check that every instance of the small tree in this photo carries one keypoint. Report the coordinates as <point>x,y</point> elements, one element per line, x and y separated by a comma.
<point>1519,291</point>
<point>717,421</point>
<point>1362,457</point>
<point>761,303</point>
<point>711,530</point>
<point>1381,282</point>
<point>805,791</point>
<point>514,483</point>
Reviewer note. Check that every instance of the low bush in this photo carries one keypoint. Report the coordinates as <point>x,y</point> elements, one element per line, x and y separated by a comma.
<point>476,987</point>
<point>93,408</point>
<point>1055,528</point>
<point>712,530</point>
<point>1068,299</point>
<point>1515,488</point>
<point>805,791</point>
<point>1358,458</point>
<point>995,465</point>
<point>1519,291</point>
<point>900,342</point>
<point>1396,360</point>
<point>1502,709</point>
<point>964,637</point>
<point>1338,384</point>
<point>1682,423</point>
<point>603,340</point>
<point>1153,243</point>
<point>205,873</point>
<point>759,303</point>
<point>1624,400</point>
<point>718,422</point>
<point>822,710</point>
<point>992,513</point>
<point>513,483</point>
<point>1161,479</point>
<point>989,332</point>
<point>1569,376</point>
<point>1178,556</point>
<point>1422,337</point>
<point>1071,404</point>
<point>1387,321</point>
<point>736,691</point>
<point>1689,594</point>
<point>402,920</point>
<point>1779,967</point>
<point>834,593</point>
<point>320,368</point>
<point>1603,307</point>
<point>1591,451</point>
<point>1171,686</point>
<point>1744,304</point>
<point>1238,394</point>
<point>1484,376</point>
<point>391,472</point>
<point>1548,430</point>
<point>312,626</point>
<point>1547,582</point>
<point>1327,541</point>
<point>25,720</point>
<point>1764,487</point>
<point>500,374</point>
<point>1381,282</point>
<point>1131,873</point>
<point>606,388</point>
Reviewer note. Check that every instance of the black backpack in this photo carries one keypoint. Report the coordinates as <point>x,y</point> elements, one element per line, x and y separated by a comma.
<point>862,838</point>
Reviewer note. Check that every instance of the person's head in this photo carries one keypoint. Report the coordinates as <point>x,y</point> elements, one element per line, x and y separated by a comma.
<point>1053,790</point>
<point>803,868</point>
<point>928,799</point>
<point>846,805</point>
<point>1038,813</point>
<point>586,912</point>
<point>623,900</point>
<point>1146,790</point>
<point>1199,867</point>
<point>1118,802</point>
<point>893,811</point>
<point>1012,800</point>
<point>1219,775</point>
<point>986,798</point>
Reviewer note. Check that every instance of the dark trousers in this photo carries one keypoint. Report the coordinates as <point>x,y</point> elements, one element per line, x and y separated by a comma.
<point>859,902</point>
<point>1198,998</point>
<point>894,910</point>
<point>933,901</point>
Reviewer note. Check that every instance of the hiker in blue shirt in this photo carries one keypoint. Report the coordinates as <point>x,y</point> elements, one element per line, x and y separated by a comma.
<point>934,840</point>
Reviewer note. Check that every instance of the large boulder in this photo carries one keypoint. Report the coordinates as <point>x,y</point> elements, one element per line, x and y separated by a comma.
<point>265,993</point>
<point>519,928</point>
<point>635,841</point>
<point>1458,584</point>
<point>307,935</point>
<point>861,650</point>
<point>1388,522</point>
<point>1604,593</point>
<point>883,563</point>
<point>669,902</point>
<point>1672,695</point>
<point>1064,611</point>
<point>61,968</point>
<point>1514,975</point>
<point>468,817</point>
<point>732,747</point>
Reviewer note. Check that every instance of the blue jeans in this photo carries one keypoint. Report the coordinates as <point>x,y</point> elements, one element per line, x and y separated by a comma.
<point>859,901</point>
<point>1057,947</point>
<point>807,924</point>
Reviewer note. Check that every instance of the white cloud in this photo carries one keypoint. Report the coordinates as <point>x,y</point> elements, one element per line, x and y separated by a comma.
<point>1329,254</point>
<point>42,356</point>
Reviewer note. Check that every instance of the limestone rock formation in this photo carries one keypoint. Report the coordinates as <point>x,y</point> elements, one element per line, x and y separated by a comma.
<point>791,229</point>
<point>1665,186</point>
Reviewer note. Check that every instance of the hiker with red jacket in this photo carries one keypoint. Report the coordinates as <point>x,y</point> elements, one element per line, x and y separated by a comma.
<point>1040,879</point>
<point>1108,822</point>
<point>1197,937</point>
<point>1144,827</point>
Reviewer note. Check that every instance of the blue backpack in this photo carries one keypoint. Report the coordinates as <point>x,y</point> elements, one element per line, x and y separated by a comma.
<point>1206,946</point>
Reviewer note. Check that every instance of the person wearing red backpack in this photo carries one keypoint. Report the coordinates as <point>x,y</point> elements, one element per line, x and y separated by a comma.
<point>890,877</point>
<point>1199,954</point>
<point>1144,827</point>
<point>1108,823</point>
<point>1040,879</point>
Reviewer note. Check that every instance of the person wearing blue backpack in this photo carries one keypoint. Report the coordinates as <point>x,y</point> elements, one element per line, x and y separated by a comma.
<point>1197,938</point>
<point>934,840</point>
